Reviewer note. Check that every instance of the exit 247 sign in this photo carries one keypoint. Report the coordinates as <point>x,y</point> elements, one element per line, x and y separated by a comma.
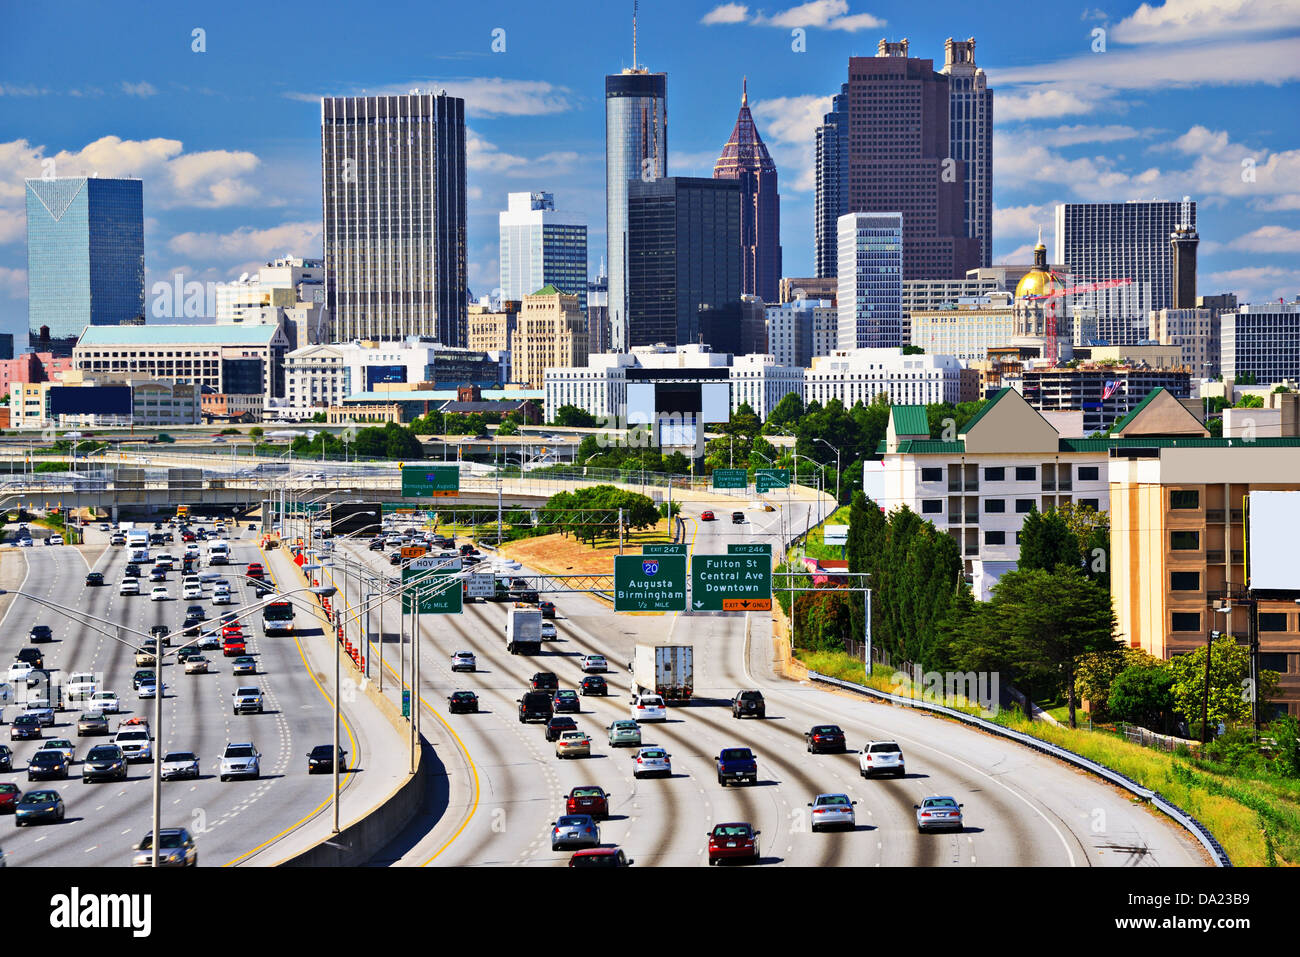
<point>731,583</point>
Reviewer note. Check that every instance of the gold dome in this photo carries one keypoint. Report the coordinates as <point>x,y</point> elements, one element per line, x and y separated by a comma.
<point>1038,282</point>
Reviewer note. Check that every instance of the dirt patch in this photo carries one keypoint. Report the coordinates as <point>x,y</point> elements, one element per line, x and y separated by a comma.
<point>560,555</point>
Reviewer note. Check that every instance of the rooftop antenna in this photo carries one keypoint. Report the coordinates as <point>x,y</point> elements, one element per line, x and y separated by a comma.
<point>634,11</point>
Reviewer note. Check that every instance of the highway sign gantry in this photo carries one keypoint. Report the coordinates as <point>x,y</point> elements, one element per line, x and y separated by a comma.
<point>649,582</point>
<point>730,478</point>
<point>430,481</point>
<point>447,600</point>
<point>767,479</point>
<point>731,582</point>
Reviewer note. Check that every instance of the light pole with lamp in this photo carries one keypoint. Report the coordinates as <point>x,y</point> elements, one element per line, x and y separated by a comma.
<point>837,468</point>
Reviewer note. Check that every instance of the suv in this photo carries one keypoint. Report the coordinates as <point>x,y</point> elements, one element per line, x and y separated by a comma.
<point>545,681</point>
<point>240,761</point>
<point>737,518</point>
<point>881,757</point>
<point>247,701</point>
<point>535,706</point>
<point>135,743</point>
<point>748,703</point>
<point>32,656</point>
<point>736,764</point>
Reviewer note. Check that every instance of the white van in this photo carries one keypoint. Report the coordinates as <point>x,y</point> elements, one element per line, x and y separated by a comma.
<point>219,553</point>
<point>139,554</point>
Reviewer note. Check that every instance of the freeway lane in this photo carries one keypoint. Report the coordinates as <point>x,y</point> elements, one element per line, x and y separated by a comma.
<point>1022,809</point>
<point>228,819</point>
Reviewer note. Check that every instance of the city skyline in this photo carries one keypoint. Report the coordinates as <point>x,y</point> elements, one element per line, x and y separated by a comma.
<point>230,157</point>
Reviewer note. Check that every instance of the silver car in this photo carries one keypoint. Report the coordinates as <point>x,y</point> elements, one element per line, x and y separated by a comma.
<point>180,764</point>
<point>832,810</point>
<point>624,733</point>
<point>464,661</point>
<point>247,701</point>
<point>574,830</point>
<point>652,761</point>
<point>240,761</point>
<point>938,812</point>
<point>176,849</point>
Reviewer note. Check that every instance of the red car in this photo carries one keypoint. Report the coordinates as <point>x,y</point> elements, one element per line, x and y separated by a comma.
<point>188,537</point>
<point>588,800</point>
<point>734,842</point>
<point>255,570</point>
<point>232,647</point>
<point>9,796</point>
<point>706,517</point>
<point>600,857</point>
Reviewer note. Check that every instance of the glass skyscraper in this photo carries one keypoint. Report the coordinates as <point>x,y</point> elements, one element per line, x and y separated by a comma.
<point>540,247</point>
<point>832,172</point>
<point>85,257</point>
<point>636,148</point>
<point>970,137</point>
<point>870,295</point>
<point>393,183</point>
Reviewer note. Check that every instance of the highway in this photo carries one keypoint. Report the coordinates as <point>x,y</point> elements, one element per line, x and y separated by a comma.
<point>506,785</point>
<point>237,822</point>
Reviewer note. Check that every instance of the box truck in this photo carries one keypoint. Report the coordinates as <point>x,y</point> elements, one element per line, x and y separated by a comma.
<point>667,670</point>
<point>523,629</point>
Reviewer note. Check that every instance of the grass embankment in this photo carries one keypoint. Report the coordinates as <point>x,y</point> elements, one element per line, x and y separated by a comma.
<point>814,547</point>
<point>1254,815</point>
<point>557,555</point>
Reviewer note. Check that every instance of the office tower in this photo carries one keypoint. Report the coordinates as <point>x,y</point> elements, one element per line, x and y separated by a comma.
<point>393,184</point>
<point>540,246</point>
<point>636,150</point>
<point>598,312</point>
<point>551,333</point>
<point>684,257</point>
<point>970,137</point>
<point>85,257</point>
<point>745,159</point>
<point>900,159</point>
<point>1261,340</point>
<point>1184,241</point>
<point>1124,241</point>
<point>832,176</point>
<point>870,298</point>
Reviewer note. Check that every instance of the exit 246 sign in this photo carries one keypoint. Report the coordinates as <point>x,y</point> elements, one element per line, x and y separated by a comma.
<point>731,583</point>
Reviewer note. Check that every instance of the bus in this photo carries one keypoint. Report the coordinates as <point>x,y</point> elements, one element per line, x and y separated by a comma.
<point>277,618</point>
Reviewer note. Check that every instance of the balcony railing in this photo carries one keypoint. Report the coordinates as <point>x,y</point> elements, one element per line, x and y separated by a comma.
<point>1214,516</point>
<point>1214,557</point>
<point>1049,486</point>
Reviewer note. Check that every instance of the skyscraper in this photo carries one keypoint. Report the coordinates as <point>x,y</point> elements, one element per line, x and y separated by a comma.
<point>636,149</point>
<point>745,159</point>
<point>393,183</point>
<point>832,172</point>
<point>970,137</point>
<point>684,259</point>
<point>1117,241</point>
<point>900,159</point>
<point>870,298</point>
<point>85,256</point>
<point>1184,241</point>
<point>540,247</point>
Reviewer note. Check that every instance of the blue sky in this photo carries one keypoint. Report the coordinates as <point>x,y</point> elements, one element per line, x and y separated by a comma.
<point>1191,97</point>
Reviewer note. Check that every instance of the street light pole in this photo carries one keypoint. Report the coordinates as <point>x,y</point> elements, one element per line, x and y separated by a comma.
<point>837,469</point>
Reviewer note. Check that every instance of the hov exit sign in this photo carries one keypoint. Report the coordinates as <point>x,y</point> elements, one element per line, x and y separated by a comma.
<point>731,583</point>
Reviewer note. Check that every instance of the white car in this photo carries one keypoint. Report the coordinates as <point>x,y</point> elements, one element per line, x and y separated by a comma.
<point>56,539</point>
<point>19,671</point>
<point>652,761</point>
<point>464,661</point>
<point>105,702</point>
<point>548,629</point>
<point>247,700</point>
<point>79,686</point>
<point>881,757</point>
<point>220,597</point>
<point>180,764</point>
<point>594,664</point>
<point>832,810</point>
<point>135,744</point>
<point>648,707</point>
<point>159,593</point>
<point>149,687</point>
<point>192,591</point>
<point>129,586</point>
<point>240,760</point>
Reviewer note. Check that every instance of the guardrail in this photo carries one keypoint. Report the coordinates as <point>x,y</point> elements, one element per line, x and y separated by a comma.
<point>1197,829</point>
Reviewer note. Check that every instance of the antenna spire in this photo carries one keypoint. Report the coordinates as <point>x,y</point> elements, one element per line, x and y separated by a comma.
<point>744,91</point>
<point>634,10</point>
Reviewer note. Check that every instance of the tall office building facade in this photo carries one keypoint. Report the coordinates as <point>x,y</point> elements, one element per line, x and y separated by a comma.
<point>832,183</point>
<point>636,150</point>
<point>540,246</point>
<point>970,138</point>
<point>85,257</point>
<point>870,299</point>
<point>684,259</point>
<point>746,160</point>
<point>393,195</point>
<point>900,159</point>
<point>1118,241</point>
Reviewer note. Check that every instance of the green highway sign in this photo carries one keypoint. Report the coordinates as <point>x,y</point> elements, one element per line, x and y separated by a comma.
<point>767,479</point>
<point>730,478</point>
<point>426,481</point>
<point>750,548</point>
<point>649,582</point>
<point>664,548</point>
<point>731,583</point>
<point>406,702</point>
<point>432,571</point>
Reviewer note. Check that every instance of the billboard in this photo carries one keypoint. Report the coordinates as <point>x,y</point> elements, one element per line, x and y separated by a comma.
<point>90,400</point>
<point>350,517</point>
<point>1274,518</point>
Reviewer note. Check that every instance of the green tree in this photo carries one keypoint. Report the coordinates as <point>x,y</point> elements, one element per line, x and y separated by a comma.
<point>1277,389</point>
<point>572,417</point>
<point>255,433</point>
<point>508,426</point>
<point>1047,619</point>
<point>1143,695</point>
<point>825,619</point>
<point>787,412</point>
<point>1230,700</point>
<point>913,351</point>
<point>866,533</point>
<point>1046,541</point>
<point>1096,672</point>
<point>1250,402</point>
<point>1091,529</point>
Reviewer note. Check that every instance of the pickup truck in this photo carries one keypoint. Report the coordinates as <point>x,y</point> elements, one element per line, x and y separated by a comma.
<point>736,764</point>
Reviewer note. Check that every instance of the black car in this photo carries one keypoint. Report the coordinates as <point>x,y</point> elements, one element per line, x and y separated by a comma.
<point>548,608</point>
<point>467,549</point>
<point>33,656</point>
<point>94,579</point>
<point>559,723</point>
<point>395,558</point>
<point>132,571</point>
<point>144,674</point>
<point>535,706</point>
<point>186,653</point>
<point>376,545</point>
<point>545,681</point>
<point>25,727</point>
<point>158,575</point>
<point>41,633</point>
<point>104,762</point>
<point>161,633</point>
<point>594,684</point>
<point>190,627</point>
<point>47,764</point>
<point>459,702</point>
<point>6,758</point>
<point>748,703</point>
<point>321,759</point>
<point>824,737</point>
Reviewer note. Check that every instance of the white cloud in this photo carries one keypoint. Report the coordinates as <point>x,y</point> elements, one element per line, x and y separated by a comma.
<point>13,282</point>
<point>726,13</point>
<point>1269,239</point>
<point>1255,284</point>
<point>142,89</point>
<point>1177,21</point>
<point>826,14</point>
<point>484,95</point>
<point>1023,220</point>
<point>1094,13</point>
<point>13,225</point>
<point>1080,133</point>
<point>788,125</point>
<point>12,90</point>
<point>484,157</point>
<point>1041,104</point>
<point>1018,256</point>
<point>247,243</point>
